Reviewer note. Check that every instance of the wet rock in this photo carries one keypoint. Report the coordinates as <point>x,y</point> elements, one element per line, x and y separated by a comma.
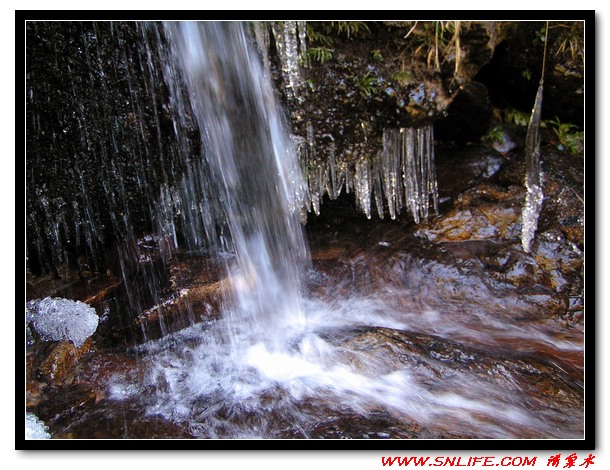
<point>484,212</point>
<point>62,402</point>
<point>183,309</point>
<point>79,417</point>
<point>58,366</point>
<point>521,273</point>
<point>35,393</point>
<point>92,291</point>
<point>100,137</point>
<point>194,294</point>
<point>487,222</point>
<point>377,425</point>
<point>99,370</point>
<point>505,141</point>
<point>563,186</point>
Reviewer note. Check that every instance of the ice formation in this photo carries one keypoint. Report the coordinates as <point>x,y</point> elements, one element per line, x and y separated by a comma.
<point>401,176</point>
<point>533,178</point>
<point>57,319</point>
<point>290,42</point>
<point>35,428</point>
<point>529,215</point>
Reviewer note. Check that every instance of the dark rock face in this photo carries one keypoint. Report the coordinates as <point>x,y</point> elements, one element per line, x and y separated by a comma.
<point>100,138</point>
<point>513,74</point>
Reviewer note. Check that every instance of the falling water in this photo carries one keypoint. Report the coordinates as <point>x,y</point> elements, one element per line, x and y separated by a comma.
<point>254,168</point>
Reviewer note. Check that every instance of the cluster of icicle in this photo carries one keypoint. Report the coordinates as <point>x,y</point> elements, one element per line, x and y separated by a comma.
<point>401,176</point>
<point>290,42</point>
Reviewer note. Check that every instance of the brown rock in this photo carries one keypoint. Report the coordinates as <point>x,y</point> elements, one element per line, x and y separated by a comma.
<point>59,365</point>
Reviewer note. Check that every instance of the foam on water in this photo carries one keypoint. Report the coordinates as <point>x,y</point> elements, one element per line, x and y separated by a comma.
<point>261,391</point>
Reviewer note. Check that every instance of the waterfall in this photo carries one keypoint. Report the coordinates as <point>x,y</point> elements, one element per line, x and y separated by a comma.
<point>253,166</point>
<point>222,177</point>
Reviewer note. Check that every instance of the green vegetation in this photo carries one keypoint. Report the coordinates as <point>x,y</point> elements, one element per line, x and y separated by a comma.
<point>314,36</point>
<point>570,43</point>
<point>520,118</point>
<point>496,134</point>
<point>321,35</point>
<point>318,54</point>
<point>570,138</point>
<point>349,28</point>
<point>377,55</point>
<point>440,41</point>
<point>367,86</point>
<point>403,78</point>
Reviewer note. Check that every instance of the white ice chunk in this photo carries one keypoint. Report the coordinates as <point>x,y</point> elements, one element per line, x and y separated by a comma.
<point>57,319</point>
<point>35,428</point>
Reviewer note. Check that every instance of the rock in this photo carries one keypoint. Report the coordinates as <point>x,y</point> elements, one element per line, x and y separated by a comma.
<point>183,309</point>
<point>563,187</point>
<point>487,222</point>
<point>58,367</point>
<point>194,294</point>
<point>34,393</point>
<point>115,420</point>
<point>467,116</point>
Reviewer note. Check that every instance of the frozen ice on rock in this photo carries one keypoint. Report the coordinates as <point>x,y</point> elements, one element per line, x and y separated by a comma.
<point>402,176</point>
<point>57,319</point>
<point>34,428</point>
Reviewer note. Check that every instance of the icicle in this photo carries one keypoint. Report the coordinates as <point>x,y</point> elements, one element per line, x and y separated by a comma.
<point>287,42</point>
<point>533,184</point>
<point>349,179</point>
<point>408,163</point>
<point>534,195</point>
<point>390,157</point>
<point>332,169</point>
<point>363,186</point>
<point>432,183</point>
<point>422,174</point>
<point>410,172</point>
<point>314,190</point>
<point>402,175</point>
<point>302,29</point>
<point>302,149</point>
<point>377,185</point>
